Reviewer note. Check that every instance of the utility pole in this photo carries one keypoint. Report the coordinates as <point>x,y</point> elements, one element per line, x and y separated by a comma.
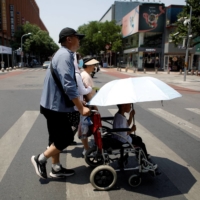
<point>188,44</point>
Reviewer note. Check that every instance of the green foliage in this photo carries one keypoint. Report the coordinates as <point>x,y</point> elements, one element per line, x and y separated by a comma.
<point>38,43</point>
<point>195,23</point>
<point>98,35</point>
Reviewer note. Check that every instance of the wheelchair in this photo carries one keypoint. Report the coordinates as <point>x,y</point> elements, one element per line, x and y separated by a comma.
<point>107,150</point>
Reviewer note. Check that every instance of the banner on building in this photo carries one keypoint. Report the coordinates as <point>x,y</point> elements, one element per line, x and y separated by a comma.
<point>151,18</point>
<point>5,50</point>
<point>130,22</point>
<point>12,24</point>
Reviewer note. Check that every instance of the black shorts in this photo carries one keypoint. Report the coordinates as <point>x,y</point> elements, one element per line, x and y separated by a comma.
<point>59,126</point>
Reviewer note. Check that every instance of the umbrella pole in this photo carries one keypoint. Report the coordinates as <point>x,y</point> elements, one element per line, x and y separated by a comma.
<point>133,118</point>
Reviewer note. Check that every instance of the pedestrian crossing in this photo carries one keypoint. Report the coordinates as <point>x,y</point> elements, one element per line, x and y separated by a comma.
<point>16,135</point>
<point>24,69</point>
<point>182,124</point>
<point>194,110</point>
<point>13,139</point>
<point>159,149</point>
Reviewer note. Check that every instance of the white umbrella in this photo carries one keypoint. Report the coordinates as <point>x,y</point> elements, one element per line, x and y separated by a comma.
<point>133,90</point>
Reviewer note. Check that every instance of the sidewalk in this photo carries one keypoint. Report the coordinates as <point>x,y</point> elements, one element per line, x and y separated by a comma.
<point>174,78</point>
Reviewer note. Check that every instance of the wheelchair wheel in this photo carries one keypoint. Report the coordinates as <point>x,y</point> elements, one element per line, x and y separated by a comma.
<point>103,177</point>
<point>92,158</point>
<point>104,129</point>
<point>134,180</point>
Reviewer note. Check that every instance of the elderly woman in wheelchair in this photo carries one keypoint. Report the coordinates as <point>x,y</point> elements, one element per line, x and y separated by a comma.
<point>115,145</point>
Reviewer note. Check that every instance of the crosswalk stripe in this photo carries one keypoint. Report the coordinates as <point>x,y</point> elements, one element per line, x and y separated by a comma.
<point>181,123</point>
<point>159,149</point>
<point>13,138</point>
<point>194,110</point>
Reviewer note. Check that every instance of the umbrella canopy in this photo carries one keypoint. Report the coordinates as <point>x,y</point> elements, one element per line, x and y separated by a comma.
<point>133,90</point>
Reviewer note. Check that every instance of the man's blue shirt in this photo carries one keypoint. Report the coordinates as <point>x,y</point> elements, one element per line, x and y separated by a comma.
<point>63,65</point>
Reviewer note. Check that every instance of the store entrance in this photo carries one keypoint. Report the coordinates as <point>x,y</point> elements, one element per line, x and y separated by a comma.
<point>151,60</point>
<point>174,63</point>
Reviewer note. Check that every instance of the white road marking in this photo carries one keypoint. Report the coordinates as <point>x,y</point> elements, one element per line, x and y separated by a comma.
<point>159,149</point>
<point>82,191</point>
<point>103,70</point>
<point>13,138</point>
<point>181,123</point>
<point>194,110</point>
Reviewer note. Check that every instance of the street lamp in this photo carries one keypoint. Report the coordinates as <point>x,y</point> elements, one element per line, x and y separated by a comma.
<point>22,46</point>
<point>189,36</point>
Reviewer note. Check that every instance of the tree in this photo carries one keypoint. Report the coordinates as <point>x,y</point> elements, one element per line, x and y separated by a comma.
<point>98,35</point>
<point>38,43</point>
<point>195,24</point>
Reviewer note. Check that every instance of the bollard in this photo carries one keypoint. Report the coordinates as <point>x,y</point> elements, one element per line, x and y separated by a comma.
<point>134,70</point>
<point>187,72</point>
<point>168,71</point>
<point>126,69</point>
<point>2,69</point>
<point>7,69</point>
<point>144,70</point>
<point>156,70</point>
<point>192,72</point>
<point>180,71</point>
<point>197,73</point>
<point>10,68</point>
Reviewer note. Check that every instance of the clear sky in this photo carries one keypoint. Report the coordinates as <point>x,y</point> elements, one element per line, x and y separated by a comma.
<point>58,14</point>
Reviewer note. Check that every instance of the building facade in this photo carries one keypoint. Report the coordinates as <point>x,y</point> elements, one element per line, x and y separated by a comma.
<point>146,29</point>
<point>118,10</point>
<point>13,14</point>
<point>143,37</point>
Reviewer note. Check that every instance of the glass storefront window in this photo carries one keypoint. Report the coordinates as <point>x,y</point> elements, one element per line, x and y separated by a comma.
<point>152,40</point>
<point>131,41</point>
<point>151,60</point>
<point>176,63</point>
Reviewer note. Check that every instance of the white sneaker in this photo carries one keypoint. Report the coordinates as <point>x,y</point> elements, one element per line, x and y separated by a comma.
<point>149,168</point>
<point>84,152</point>
<point>148,156</point>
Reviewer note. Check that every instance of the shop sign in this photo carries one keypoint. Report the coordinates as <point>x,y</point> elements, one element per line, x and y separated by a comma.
<point>18,18</point>
<point>5,50</point>
<point>181,47</point>
<point>107,46</point>
<point>150,50</point>
<point>4,19</point>
<point>134,50</point>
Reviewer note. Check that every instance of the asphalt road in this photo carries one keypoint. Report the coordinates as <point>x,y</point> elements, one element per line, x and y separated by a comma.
<point>170,132</point>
